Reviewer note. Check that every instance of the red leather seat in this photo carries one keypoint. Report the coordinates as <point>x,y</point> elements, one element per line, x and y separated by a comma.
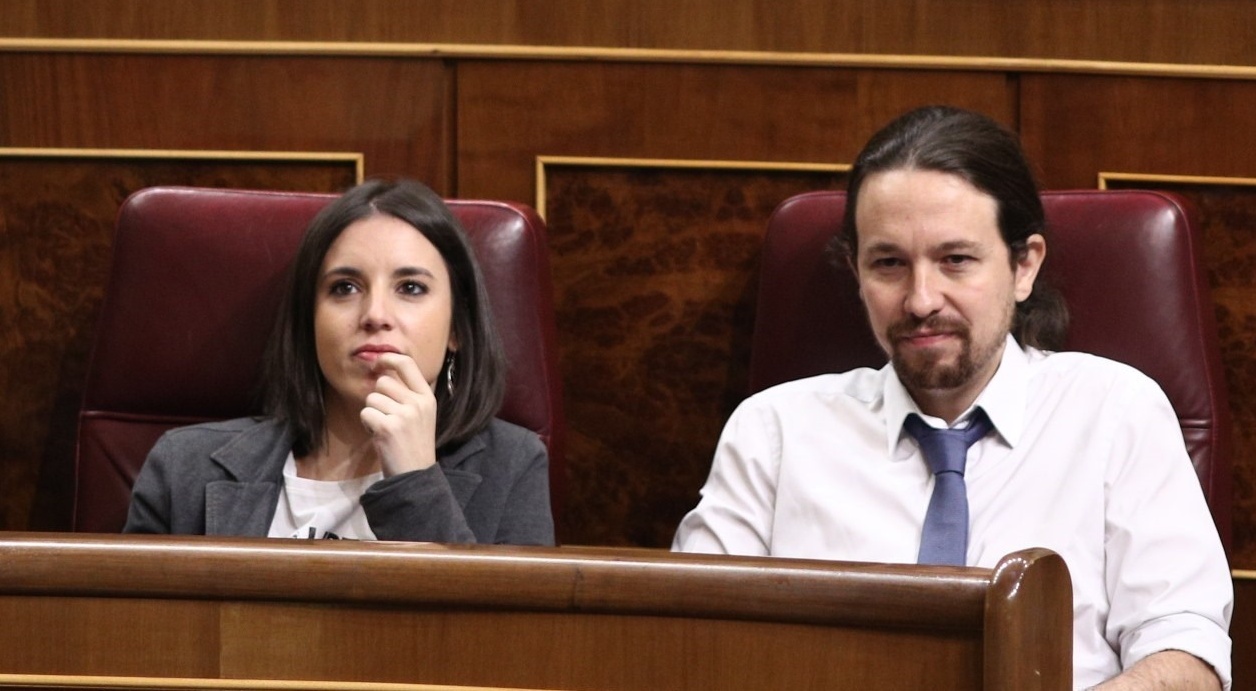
<point>1127,263</point>
<point>196,280</point>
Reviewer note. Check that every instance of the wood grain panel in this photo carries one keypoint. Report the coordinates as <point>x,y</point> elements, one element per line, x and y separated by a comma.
<point>1148,31</point>
<point>1073,127</point>
<point>56,231</point>
<point>510,113</point>
<point>153,637</point>
<point>391,110</point>
<point>654,283</point>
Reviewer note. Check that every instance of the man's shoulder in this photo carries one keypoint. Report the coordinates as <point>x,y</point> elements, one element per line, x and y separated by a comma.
<point>863,384</point>
<point>1087,370</point>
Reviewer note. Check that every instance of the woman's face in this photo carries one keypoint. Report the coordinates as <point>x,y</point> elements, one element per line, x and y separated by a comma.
<point>383,287</point>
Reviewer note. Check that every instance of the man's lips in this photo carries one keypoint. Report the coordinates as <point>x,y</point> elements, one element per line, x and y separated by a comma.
<point>924,339</point>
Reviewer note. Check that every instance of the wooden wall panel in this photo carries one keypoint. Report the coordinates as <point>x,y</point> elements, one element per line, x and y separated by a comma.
<point>1243,630</point>
<point>1075,127</point>
<point>1148,31</point>
<point>393,111</point>
<point>654,279</point>
<point>510,113</point>
<point>56,231</point>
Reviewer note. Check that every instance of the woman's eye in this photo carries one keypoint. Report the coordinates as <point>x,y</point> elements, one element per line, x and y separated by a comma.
<point>412,288</point>
<point>342,288</point>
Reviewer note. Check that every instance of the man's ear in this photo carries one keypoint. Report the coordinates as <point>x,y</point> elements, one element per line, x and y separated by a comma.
<point>1027,266</point>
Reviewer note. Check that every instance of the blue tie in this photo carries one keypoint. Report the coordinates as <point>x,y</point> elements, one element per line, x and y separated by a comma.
<point>945,536</point>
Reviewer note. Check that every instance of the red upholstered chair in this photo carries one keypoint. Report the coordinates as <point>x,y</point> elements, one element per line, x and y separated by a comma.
<point>196,281</point>
<point>1127,262</point>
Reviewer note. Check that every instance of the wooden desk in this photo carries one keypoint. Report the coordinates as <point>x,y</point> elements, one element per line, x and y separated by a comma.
<point>110,611</point>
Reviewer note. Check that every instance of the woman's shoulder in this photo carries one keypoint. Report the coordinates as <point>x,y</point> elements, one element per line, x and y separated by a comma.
<point>499,441</point>
<point>502,434</point>
<point>216,433</point>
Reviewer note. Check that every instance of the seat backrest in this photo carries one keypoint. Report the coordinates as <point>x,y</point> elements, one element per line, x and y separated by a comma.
<point>1127,263</point>
<point>196,282</point>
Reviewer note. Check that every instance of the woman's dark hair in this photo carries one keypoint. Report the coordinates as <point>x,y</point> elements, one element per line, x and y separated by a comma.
<point>293,383</point>
<point>988,156</point>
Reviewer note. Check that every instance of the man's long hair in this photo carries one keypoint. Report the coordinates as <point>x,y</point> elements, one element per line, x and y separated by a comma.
<point>990,158</point>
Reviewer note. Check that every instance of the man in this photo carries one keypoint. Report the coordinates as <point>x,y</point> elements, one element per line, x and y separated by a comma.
<point>1084,456</point>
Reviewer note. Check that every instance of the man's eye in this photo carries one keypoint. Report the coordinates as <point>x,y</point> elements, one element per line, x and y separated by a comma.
<point>957,259</point>
<point>886,263</point>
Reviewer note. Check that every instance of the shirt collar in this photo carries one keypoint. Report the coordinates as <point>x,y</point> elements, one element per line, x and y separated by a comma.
<point>1004,399</point>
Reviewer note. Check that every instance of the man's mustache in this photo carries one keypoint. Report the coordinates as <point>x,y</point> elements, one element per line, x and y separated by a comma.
<point>934,323</point>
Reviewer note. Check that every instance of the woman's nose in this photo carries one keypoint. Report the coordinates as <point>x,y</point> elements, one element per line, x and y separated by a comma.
<point>376,312</point>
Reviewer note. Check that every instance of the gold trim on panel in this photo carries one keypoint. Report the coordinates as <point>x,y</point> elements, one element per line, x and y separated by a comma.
<point>61,681</point>
<point>1242,575</point>
<point>593,53</point>
<point>683,163</point>
<point>1104,178</point>
<point>357,159</point>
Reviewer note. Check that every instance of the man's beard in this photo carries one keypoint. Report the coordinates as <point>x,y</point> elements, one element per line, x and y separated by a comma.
<point>923,371</point>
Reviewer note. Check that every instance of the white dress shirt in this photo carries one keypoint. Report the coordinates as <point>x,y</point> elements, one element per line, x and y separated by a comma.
<point>1086,459</point>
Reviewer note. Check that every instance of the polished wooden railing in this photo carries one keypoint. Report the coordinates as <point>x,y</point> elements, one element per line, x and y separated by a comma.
<point>80,611</point>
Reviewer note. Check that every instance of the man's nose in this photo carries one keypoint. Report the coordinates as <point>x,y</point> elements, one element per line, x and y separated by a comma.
<point>924,296</point>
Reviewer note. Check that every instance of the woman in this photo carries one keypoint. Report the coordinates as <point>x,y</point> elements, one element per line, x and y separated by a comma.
<point>381,380</point>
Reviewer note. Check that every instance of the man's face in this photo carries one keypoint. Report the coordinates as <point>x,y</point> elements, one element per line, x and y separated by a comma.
<point>937,280</point>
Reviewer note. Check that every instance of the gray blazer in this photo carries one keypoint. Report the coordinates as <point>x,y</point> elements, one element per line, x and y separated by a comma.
<point>223,478</point>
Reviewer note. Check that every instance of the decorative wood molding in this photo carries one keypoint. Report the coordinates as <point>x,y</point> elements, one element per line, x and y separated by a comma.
<point>651,55</point>
<point>357,159</point>
<point>673,163</point>
<point>1105,178</point>
<point>60,681</point>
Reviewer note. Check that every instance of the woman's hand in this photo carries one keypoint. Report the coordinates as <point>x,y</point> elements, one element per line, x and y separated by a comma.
<point>400,414</point>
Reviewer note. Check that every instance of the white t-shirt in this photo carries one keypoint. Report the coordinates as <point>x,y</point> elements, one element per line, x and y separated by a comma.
<point>320,509</point>
<point>1087,459</point>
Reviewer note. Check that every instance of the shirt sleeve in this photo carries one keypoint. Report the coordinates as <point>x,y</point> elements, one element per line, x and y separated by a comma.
<point>735,513</point>
<point>1166,574</point>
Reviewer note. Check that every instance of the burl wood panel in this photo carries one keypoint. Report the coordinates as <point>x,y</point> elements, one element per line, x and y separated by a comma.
<point>1243,631</point>
<point>1149,30</point>
<point>654,282</point>
<point>1077,127</point>
<point>56,231</point>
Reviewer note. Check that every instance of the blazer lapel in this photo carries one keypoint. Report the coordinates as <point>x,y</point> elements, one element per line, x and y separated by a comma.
<point>246,507</point>
<point>463,480</point>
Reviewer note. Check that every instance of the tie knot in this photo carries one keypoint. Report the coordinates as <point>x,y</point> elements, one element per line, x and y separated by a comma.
<point>946,450</point>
